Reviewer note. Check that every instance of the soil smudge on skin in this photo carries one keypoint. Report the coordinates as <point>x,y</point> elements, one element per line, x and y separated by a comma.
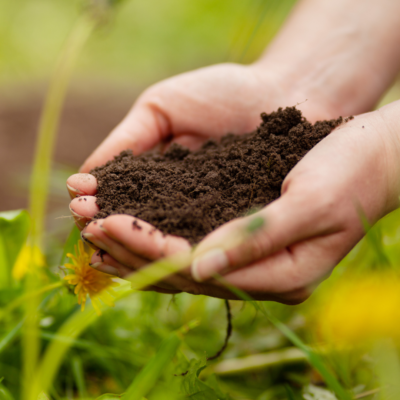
<point>189,194</point>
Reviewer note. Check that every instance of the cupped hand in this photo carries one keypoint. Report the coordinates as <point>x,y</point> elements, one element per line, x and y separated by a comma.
<point>187,109</point>
<point>306,232</point>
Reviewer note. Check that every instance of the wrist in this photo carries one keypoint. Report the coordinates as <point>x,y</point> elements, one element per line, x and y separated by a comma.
<point>293,87</point>
<point>338,59</point>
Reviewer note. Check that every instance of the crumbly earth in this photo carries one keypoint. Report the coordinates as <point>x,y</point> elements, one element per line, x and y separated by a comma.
<point>189,194</point>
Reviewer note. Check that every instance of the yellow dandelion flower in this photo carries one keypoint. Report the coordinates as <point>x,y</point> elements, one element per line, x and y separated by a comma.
<point>88,281</point>
<point>361,310</point>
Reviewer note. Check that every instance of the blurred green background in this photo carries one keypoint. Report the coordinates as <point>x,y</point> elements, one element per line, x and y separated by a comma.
<point>143,42</point>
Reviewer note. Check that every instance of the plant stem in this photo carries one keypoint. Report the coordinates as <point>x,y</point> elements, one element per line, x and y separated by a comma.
<point>40,182</point>
<point>257,362</point>
<point>49,123</point>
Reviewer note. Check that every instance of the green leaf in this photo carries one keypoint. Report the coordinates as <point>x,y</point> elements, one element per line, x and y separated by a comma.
<point>72,240</point>
<point>14,229</point>
<point>194,388</point>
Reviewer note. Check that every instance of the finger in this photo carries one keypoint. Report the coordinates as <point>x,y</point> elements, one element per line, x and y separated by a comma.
<point>83,209</point>
<point>95,235</point>
<point>287,220</point>
<point>290,275</point>
<point>109,265</point>
<point>81,185</point>
<point>142,238</point>
<point>120,261</point>
<point>141,130</point>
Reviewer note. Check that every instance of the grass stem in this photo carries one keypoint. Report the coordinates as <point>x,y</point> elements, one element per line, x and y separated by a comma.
<point>40,186</point>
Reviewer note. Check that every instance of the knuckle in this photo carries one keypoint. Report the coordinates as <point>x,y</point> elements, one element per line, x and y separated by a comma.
<point>260,245</point>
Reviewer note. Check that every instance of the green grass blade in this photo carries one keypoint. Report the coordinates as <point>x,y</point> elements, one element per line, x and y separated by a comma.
<point>290,393</point>
<point>314,359</point>
<point>40,181</point>
<point>72,240</point>
<point>14,228</point>
<point>149,375</point>
<point>49,123</point>
<point>4,392</point>
<point>374,238</point>
<point>79,376</point>
<point>10,336</point>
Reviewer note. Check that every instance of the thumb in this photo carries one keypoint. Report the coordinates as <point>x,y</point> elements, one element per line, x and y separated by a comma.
<point>246,240</point>
<point>141,130</point>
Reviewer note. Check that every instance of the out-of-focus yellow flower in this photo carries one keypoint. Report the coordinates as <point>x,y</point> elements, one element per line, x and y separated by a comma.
<point>361,310</point>
<point>88,281</point>
<point>27,257</point>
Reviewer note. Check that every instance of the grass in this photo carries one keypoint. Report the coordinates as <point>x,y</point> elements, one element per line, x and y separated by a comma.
<point>156,346</point>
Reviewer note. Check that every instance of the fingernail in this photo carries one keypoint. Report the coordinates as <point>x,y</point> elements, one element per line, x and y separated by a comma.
<point>107,269</point>
<point>72,191</point>
<point>77,217</point>
<point>95,242</point>
<point>101,227</point>
<point>87,236</point>
<point>212,262</point>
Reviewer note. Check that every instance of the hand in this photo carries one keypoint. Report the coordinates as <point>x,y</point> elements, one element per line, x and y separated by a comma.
<point>187,109</point>
<point>316,221</point>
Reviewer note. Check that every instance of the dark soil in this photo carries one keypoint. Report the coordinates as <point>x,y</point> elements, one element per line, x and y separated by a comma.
<point>190,194</point>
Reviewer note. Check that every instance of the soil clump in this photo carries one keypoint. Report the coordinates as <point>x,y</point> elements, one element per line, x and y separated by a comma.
<point>189,194</point>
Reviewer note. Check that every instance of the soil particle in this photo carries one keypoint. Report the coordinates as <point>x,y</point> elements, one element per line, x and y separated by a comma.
<point>101,254</point>
<point>189,194</point>
<point>136,225</point>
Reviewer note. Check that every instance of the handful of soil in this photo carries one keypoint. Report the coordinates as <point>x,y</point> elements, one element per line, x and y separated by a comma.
<point>189,194</point>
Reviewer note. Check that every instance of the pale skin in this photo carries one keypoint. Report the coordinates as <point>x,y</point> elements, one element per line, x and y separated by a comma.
<point>341,62</point>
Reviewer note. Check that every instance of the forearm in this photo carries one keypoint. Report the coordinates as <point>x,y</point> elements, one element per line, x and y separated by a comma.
<point>343,52</point>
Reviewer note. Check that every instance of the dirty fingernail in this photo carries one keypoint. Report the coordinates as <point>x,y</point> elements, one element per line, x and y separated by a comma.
<point>101,227</point>
<point>107,269</point>
<point>212,262</point>
<point>73,192</point>
<point>87,235</point>
<point>78,218</point>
